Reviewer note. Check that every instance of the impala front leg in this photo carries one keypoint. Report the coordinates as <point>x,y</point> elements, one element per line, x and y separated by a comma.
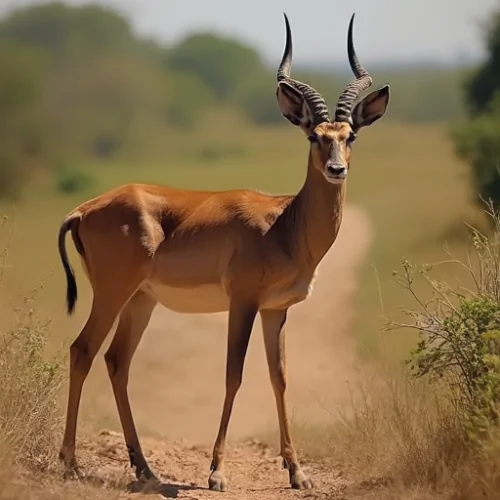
<point>241,320</point>
<point>273,326</point>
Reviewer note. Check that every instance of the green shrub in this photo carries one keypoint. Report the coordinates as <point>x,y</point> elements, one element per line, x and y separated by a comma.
<point>73,180</point>
<point>478,143</point>
<point>188,97</point>
<point>459,332</point>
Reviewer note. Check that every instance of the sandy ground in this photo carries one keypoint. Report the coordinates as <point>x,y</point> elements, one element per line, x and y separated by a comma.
<point>177,386</point>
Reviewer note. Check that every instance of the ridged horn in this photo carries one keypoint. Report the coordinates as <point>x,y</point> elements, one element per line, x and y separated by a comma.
<point>354,88</point>
<point>312,97</point>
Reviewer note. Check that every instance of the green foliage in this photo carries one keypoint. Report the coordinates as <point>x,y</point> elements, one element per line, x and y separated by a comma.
<point>483,83</point>
<point>258,102</point>
<point>424,95</point>
<point>73,180</point>
<point>188,98</point>
<point>68,32</point>
<point>223,64</point>
<point>478,143</point>
<point>77,82</point>
<point>96,106</point>
<point>21,124</point>
<point>459,330</point>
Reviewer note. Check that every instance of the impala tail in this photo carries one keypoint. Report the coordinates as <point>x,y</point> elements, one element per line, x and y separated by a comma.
<point>69,224</point>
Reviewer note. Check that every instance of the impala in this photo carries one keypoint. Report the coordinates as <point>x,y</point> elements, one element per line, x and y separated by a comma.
<point>239,251</point>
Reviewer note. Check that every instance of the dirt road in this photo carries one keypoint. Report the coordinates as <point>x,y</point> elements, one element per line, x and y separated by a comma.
<point>177,381</point>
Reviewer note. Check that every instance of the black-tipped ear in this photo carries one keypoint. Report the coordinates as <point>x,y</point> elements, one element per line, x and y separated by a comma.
<point>371,108</point>
<point>293,106</point>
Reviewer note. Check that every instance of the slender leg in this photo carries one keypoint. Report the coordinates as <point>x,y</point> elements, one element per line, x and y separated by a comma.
<point>133,321</point>
<point>241,320</point>
<point>273,326</point>
<point>104,311</point>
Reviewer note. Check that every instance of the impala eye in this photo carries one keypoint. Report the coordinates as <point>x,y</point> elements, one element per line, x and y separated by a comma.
<point>351,138</point>
<point>313,138</point>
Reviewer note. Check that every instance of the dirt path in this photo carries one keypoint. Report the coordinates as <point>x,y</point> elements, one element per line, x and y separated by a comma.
<point>253,469</point>
<point>177,379</point>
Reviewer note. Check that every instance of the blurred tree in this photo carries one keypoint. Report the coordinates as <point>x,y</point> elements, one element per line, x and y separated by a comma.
<point>483,83</point>
<point>478,140</point>
<point>188,98</point>
<point>222,63</point>
<point>68,32</point>
<point>97,107</point>
<point>22,130</point>
<point>258,102</point>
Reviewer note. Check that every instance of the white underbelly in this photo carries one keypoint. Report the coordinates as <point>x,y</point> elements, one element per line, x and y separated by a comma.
<point>202,299</point>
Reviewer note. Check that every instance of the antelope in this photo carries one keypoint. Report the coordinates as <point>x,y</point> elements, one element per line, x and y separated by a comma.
<point>240,251</point>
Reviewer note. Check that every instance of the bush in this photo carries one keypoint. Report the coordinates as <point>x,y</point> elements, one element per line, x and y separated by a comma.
<point>70,180</point>
<point>459,331</point>
<point>223,64</point>
<point>258,102</point>
<point>30,420</point>
<point>187,100</point>
<point>432,431</point>
<point>458,356</point>
<point>478,143</point>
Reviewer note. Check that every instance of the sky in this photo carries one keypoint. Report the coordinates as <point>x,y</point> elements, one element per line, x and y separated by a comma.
<point>385,30</point>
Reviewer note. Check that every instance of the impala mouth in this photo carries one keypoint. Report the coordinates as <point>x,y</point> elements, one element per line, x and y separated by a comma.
<point>335,179</point>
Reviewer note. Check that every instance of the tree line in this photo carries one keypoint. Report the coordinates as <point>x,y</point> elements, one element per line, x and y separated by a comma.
<point>477,138</point>
<point>76,81</point>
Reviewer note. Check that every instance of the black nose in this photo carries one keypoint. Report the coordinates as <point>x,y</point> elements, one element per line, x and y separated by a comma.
<point>335,169</point>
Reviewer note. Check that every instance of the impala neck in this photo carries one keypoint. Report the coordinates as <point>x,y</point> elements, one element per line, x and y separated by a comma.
<point>316,214</point>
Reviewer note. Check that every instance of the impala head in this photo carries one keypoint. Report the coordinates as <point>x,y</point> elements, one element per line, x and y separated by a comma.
<point>331,140</point>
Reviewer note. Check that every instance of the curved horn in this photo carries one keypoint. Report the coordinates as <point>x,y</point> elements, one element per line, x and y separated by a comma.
<point>354,88</point>
<point>312,97</point>
<point>286,60</point>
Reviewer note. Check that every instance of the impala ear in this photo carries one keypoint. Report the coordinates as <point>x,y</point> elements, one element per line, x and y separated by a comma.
<point>371,108</point>
<point>294,107</point>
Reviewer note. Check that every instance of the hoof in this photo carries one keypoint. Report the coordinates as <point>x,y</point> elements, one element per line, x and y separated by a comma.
<point>217,481</point>
<point>73,474</point>
<point>146,476</point>
<point>299,481</point>
<point>144,486</point>
<point>71,469</point>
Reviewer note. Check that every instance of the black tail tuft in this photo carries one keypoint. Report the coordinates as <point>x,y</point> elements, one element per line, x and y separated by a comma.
<point>71,290</point>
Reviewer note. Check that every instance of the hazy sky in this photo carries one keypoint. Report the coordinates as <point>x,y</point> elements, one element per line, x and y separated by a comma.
<point>384,29</point>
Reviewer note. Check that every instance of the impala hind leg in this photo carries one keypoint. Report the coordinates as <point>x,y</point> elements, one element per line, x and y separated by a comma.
<point>240,324</point>
<point>133,321</point>
<point>273,326</point>
<point>105,309</point>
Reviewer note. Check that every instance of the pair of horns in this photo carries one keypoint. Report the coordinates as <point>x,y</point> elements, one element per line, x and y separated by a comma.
<point>312,97</point>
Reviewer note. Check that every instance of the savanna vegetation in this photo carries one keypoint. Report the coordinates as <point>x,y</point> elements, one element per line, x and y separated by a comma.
<point>86,104</point>
<point>477,140</point>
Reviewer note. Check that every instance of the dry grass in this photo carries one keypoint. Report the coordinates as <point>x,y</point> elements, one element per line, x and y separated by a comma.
<point>431,429</point>
<point>31,419</point>
<point>401,440</point>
